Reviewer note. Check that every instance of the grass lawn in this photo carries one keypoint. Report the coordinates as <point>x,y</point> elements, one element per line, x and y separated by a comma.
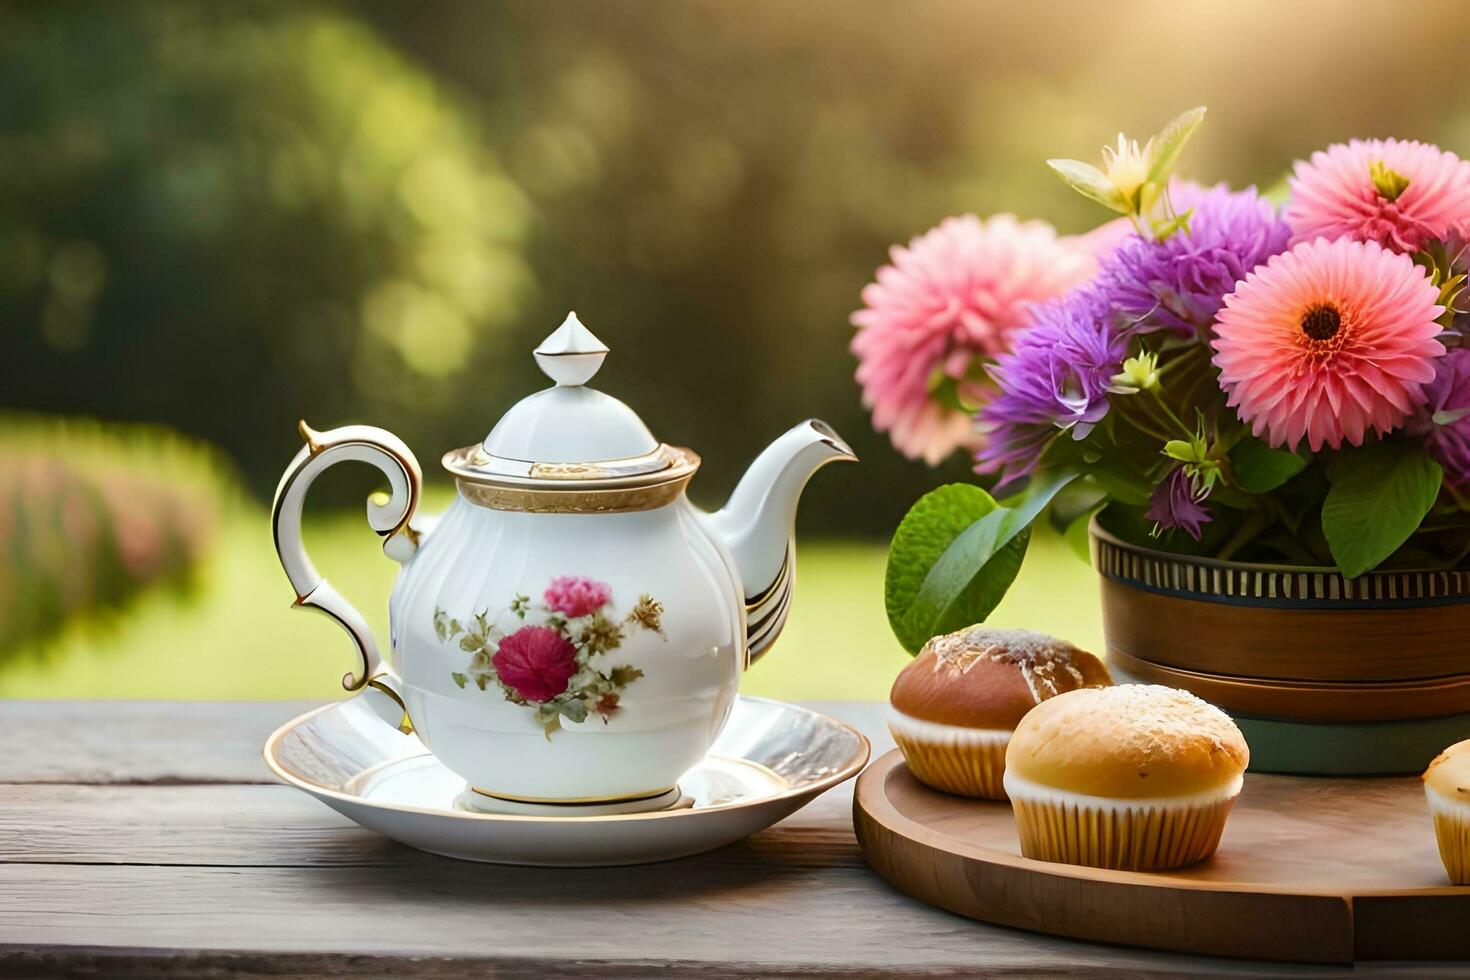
<point>236,636</point>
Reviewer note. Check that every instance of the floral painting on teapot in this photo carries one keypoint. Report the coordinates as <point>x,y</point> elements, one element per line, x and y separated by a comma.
<point>547,662</point>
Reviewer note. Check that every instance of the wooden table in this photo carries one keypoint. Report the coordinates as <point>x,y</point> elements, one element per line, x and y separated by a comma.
<point>148,839</point>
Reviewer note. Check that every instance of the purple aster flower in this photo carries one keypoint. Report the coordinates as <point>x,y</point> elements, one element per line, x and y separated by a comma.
<point>1056,379</point>
<point>1181,282</point>
<point>1444,421</point>
<point>1176,504</point>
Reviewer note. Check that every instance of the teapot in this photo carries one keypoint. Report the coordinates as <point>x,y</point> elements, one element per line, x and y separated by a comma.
<point>572,630</point>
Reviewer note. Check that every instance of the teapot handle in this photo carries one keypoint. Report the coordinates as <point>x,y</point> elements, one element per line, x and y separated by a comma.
<point>389,518</point>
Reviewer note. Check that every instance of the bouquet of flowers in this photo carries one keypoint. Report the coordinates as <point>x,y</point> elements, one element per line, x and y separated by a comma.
<point>1228,379</point>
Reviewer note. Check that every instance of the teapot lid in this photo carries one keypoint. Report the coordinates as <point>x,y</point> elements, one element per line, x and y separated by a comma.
<point>569,437</point>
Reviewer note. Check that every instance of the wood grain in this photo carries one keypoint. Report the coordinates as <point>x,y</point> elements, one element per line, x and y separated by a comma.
<point>140,841</point>
<point>138,742</point>
<point>1297,856</point>
<point>755,910</point>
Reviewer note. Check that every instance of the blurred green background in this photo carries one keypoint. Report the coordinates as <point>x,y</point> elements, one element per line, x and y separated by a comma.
<point>216,218</point>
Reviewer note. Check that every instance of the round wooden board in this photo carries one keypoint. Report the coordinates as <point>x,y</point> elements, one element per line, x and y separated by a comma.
<point>1310,869</point>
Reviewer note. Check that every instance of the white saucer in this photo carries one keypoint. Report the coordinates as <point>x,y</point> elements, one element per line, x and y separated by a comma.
<point>772,759</point>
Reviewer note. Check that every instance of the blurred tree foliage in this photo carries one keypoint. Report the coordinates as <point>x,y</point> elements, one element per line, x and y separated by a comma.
<point>228,216</point>
<point>225,216</point>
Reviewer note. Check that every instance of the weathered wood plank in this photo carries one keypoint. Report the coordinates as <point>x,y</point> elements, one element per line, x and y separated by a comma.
<point>70,962</point>
<point>138,741</point>
<point>75,962</point>
<point>274,826</point>
<point>138,846</point>
<point>766,916</point>
<point>183,825</point>
<point>181,742</point>
<point>160,810</point>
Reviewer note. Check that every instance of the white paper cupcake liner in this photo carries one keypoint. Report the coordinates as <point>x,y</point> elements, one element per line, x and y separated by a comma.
<point>952,758</point>
<point>1452,830</point>
<point>1124,835</point>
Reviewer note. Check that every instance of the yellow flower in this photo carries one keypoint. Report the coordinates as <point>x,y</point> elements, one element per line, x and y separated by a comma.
<point>1133,176</point>
<point>1139,373</point>
<point>1127,166</point>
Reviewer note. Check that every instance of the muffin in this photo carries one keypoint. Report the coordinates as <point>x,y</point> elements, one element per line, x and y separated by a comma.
<point>1447,784</point>
<point>955,705</point>
<point>1136,778</point>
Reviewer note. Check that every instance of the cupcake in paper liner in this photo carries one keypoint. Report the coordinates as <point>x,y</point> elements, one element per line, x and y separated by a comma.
<point>1447,785</point>
<point>1134,778</point>
<point>955,705</point>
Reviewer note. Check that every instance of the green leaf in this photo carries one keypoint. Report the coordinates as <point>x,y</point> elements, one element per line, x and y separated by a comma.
<point>1121,481</point>
<point>1078,538</point>
<point>1170,143</point>
<point>1091,183</point>
<point>955,555</point>
<point>1076,499</point>
<point>459,679</point>
<point>1259,469</point>
<point>930,526</point>
<point>1180,449</point>
<point>574,710</point>
<point>1380,493</point>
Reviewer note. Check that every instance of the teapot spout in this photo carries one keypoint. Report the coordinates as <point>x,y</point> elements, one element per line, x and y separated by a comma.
<point>757,524</point>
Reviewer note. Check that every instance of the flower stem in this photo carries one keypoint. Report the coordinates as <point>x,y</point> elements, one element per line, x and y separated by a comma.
<point>1188,432</point>
<point>1254,523</point>
<point>1143,421</point>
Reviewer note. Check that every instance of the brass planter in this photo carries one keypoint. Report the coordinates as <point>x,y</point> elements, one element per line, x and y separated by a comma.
<point>1324,674</point>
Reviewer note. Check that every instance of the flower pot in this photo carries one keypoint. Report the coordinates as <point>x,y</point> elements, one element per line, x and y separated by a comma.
<point>1324,674</point>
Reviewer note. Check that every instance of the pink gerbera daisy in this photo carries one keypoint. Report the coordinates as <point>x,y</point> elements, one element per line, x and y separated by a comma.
<point>1398,194</point>
<point>1327,341</point>
<point>949,302</point>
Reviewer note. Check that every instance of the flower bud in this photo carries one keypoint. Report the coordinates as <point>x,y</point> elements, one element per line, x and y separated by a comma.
<point>1139,373</point>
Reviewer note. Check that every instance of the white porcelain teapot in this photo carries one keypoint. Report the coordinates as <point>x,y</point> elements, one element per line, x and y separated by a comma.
<point>572,629</point>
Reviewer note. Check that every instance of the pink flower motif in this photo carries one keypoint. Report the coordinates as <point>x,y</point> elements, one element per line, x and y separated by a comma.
<point>1327,341</point>
<point>536,662</point>
<point>953,297</point>
<point>574,596</point>
<point>1335,196</point>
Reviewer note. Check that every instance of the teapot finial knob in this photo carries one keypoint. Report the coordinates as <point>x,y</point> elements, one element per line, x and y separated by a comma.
<point>572,354</point>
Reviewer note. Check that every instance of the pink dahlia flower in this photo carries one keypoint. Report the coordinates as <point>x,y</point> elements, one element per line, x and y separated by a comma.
<point>536,662</point>
<point>1327,341</point>
<point>574,596</point>
<point>949,302</point>
<point>1398,194</point>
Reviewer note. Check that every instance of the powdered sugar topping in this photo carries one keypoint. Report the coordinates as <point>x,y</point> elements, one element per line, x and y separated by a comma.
<point>1158,722</point>
<point>1042,660</point>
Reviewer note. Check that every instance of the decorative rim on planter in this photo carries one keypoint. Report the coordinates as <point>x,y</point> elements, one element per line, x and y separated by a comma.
<point>1276,586</point>
<point>1325,674</point>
